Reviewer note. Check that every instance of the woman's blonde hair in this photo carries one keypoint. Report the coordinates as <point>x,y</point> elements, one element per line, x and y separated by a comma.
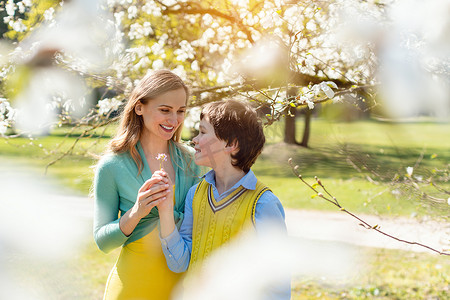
<point>131,124</point>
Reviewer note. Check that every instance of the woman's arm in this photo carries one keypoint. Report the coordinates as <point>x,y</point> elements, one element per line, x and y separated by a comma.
<point>153,192</point>
<point>107,233</point>
<point>111,232</point>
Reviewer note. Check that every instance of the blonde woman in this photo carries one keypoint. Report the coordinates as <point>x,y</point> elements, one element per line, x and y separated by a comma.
<point>125,215</point>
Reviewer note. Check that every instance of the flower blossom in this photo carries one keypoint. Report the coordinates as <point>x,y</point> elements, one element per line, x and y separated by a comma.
<point>107,105</point>
<point>325,87</point>
<point>161,157</point>
<point>409,171</point>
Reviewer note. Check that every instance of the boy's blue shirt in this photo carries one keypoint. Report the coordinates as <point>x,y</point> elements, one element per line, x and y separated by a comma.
<point>178,245</point>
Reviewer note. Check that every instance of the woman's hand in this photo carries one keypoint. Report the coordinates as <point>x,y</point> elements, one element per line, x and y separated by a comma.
<point>152,192</point>
<point>166,205</point>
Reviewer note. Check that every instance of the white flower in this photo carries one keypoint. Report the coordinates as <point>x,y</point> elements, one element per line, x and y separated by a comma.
<point>18,25</point>
<point>161,157</point>
<point>107,105</point>
<point>157,64</point>
<point>324,87</point>
<point>132,12</point>
<point>152,9</point>
<point>192,118</point>
<point>195,66</point>
<point>48,14</point>
<point>21,7</point>
<point>27,3</point>
<point>409,171</point>
<point>310,104</point>
<point>448,200</point>
<point>10,8</point>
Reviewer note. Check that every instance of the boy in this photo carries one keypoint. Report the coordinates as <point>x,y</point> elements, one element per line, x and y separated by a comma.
<point>229,199</point>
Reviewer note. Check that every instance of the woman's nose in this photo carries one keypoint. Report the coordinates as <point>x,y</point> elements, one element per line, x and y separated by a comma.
<point>172,120</point>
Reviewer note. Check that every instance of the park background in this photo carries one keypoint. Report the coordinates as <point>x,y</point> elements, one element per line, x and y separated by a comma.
<point>355,92</point>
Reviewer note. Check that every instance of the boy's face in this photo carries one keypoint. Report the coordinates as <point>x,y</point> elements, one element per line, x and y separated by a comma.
<point>210,151</point>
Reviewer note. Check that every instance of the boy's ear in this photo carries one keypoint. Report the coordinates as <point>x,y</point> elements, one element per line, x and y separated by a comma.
<point>232,147</point>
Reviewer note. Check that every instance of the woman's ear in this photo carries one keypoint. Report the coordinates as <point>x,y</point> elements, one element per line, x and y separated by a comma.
<point>138,108</point>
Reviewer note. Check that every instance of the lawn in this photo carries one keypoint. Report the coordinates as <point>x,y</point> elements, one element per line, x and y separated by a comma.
<point>386,147</point>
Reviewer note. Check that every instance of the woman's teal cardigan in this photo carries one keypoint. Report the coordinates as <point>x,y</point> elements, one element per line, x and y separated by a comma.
<point>116,184</point>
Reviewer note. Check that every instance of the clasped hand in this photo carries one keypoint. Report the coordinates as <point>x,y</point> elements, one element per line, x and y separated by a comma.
<point>157,191</point>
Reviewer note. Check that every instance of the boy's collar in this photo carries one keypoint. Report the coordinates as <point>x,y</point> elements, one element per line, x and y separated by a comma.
<point>248,181</point>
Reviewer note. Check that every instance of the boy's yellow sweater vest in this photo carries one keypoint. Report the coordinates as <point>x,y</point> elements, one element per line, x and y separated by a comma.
<point>216,222</point>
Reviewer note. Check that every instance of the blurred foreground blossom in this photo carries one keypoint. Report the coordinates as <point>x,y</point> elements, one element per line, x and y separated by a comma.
<point>254,266</point>
<point>34,103</point>
<point>411,40</point>
<point>79,37</point>
<point>40,230</point>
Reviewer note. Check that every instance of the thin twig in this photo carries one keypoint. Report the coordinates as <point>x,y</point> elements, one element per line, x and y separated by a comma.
<point>364,223</point>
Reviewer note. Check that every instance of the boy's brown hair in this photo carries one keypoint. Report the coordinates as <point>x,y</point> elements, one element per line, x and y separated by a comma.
<point>237,122</point>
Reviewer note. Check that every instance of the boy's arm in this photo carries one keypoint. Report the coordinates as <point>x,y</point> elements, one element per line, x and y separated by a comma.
<point>178,244</point>
<point>269,210</point>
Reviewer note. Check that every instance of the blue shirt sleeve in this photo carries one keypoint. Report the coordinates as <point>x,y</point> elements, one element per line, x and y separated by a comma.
<point>178,245</point>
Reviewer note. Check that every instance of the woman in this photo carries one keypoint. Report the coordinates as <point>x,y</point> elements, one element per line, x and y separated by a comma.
<point>125,215</point>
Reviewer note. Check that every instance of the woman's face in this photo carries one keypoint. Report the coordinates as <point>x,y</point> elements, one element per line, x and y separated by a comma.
<point>163,114</point>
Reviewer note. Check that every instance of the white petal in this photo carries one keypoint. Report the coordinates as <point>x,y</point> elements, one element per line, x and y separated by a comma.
<point>328,91</point>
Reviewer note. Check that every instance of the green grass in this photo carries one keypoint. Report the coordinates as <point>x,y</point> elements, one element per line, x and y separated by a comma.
<point>383,274</point>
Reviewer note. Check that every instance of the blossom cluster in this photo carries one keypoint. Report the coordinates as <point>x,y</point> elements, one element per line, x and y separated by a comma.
<point>317,91</point>
<point>161,157</point>
<point>108,105</point>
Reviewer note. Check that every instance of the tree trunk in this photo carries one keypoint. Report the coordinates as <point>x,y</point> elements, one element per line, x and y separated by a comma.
<point>307,129</point>
<point>290,116</point>
<point>289,126</point>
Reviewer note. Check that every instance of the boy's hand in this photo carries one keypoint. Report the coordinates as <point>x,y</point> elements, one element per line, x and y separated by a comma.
<point>166,205</point>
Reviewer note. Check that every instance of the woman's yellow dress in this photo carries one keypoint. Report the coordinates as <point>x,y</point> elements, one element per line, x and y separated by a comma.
<point>141,272</point>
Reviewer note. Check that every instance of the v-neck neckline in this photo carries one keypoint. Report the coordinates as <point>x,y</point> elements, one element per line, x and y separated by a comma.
<point>221,204</point>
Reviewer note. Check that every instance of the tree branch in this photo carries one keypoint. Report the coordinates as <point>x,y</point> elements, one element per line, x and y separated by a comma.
<point>365,224</point>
